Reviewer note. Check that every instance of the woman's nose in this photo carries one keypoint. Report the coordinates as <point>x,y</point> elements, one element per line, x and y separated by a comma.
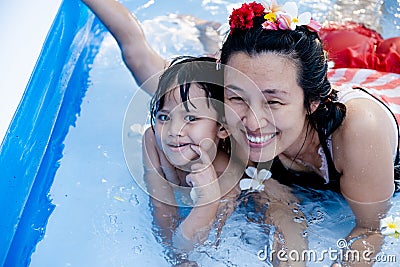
<point>256,118</point>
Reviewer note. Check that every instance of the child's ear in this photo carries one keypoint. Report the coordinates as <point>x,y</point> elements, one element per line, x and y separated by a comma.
<point>222,132</point>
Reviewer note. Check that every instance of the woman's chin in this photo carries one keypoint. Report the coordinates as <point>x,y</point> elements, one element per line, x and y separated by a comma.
<point>261,157</point>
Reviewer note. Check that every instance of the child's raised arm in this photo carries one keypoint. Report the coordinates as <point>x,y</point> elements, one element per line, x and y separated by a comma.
<point>139,57</point>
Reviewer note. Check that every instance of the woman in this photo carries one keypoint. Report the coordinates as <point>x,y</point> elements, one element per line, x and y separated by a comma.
<point>288,113</point>
<point>317,135</point>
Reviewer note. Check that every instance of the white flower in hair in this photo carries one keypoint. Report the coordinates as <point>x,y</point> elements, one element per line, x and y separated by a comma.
<point>290,18</point>
<point>256,179</point>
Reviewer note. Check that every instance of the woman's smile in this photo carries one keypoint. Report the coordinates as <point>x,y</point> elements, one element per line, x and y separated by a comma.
<point>258,141</point>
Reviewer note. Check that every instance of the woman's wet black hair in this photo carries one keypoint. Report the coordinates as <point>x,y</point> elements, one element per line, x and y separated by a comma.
<point>304,49</point>
<point>184,71</point>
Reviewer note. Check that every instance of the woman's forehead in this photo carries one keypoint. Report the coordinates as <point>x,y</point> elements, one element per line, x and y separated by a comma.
<point>268,72</point>
<point>259,64</point>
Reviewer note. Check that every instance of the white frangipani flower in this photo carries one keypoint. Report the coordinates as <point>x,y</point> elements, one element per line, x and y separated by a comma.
<point>256,179</point>
<point>390,225</point>
<point>291,19</point>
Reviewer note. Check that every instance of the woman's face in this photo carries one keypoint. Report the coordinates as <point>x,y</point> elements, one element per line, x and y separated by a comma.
<point>265,112</point>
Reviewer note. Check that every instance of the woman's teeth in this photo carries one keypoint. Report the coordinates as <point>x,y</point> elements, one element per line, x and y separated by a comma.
<point>259,139</point>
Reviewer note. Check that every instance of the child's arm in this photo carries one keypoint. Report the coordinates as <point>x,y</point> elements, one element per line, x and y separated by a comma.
<point>139,57</point>
<point>229,173</point>
<point>160,190</point>
<point>196,226</point>
<point>221,203</point>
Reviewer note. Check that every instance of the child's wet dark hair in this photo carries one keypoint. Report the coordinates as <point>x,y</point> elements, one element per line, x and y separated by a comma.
<point>185,71</point>
<point>182,73</point>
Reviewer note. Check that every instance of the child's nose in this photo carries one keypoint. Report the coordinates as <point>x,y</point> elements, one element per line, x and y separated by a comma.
<point>175,128</point>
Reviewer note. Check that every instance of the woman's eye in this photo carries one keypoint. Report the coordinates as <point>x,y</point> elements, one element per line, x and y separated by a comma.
<point>235,99</point>
<point>163,117</point>
<point>273,102</point>
<point>190,118</point>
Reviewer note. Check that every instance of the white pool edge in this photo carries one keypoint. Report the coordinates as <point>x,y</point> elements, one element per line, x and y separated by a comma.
<point>24,34</point>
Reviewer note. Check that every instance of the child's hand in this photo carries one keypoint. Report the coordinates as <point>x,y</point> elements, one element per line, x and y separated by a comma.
<point>203,177</point>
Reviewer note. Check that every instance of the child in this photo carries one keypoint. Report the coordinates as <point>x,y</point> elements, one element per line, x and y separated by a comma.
<point>185,148</point>
<point>169,166</point>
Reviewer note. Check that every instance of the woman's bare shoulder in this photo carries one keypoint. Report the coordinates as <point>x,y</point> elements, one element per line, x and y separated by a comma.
<point>362,151</point>
<point>365,119</point>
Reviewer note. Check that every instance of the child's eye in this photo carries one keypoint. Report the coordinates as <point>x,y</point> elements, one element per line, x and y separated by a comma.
<point>190,118</point>
<point>163,117</point>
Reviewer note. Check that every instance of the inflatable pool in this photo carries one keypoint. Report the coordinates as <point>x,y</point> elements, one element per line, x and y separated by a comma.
<point>67,197</point>
<point>32,146</point>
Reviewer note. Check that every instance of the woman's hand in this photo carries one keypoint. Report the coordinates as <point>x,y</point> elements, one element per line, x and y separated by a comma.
<point>365,237</point>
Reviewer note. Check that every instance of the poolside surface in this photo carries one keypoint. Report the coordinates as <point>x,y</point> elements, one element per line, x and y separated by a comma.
<point>22,37</point>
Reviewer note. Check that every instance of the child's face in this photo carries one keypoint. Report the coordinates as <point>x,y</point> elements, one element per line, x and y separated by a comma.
<point>177,129</point>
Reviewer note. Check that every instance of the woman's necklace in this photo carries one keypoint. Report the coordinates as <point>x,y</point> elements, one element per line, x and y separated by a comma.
<point>298,159</point>
<point>305,165</point>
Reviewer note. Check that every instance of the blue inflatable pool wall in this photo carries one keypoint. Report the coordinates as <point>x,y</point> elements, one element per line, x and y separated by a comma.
<point>33,144</point>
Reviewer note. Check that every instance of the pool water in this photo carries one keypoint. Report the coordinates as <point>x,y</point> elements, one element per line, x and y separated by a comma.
<point>101,216</point>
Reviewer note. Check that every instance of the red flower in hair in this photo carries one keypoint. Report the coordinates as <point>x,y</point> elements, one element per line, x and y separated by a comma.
<point>257,8</point>
<point>242,18</point>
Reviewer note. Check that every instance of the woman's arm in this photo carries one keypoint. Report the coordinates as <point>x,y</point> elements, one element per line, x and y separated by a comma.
<point>281,213</point>
<point>365,237</point>
<point>363,153</point>
<point>139,57</point>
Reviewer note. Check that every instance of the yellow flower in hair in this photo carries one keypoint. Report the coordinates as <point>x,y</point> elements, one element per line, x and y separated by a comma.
<point>270,17</point>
